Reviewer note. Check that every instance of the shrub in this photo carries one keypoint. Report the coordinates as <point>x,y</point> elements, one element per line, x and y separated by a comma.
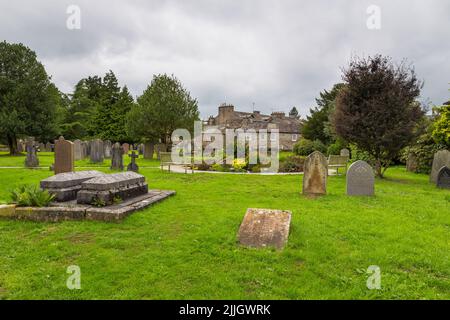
<point>292,164</point>
<point>423,151</point>
<point>303,147</point>
<point>239,165</point>
<point>31,196</point>
<point>319,146</point>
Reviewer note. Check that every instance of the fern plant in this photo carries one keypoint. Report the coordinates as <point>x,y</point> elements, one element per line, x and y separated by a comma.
<point>31,196</point>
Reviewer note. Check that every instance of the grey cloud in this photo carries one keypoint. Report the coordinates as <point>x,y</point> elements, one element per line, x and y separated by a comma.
<point>275,54</point>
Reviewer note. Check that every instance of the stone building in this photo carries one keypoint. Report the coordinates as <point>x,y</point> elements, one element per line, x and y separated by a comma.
<point>288,126</point>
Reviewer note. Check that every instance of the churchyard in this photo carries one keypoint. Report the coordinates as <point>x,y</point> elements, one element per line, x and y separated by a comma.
<point>187,245</point>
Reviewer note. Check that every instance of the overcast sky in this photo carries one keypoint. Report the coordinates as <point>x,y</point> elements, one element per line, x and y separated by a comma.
<point>275,54</point>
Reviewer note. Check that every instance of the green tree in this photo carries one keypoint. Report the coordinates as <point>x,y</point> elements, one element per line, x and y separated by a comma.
<point>98,108</point>
<point>294,112</point>
<point>28,99</point>
<point>441,127</point>
<point>110,115</point>
<point>377,109</point>
<point>78,123</point>
<point>316,126</point>
<point>163,107</point>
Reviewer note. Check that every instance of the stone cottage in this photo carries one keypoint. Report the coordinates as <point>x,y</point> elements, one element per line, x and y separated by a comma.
<point>288,126</point>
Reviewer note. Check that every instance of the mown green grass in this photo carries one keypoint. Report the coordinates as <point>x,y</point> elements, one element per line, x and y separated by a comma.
<point>185,247</point>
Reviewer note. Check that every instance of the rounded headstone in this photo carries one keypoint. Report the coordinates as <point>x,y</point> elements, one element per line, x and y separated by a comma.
<point>360,179</point>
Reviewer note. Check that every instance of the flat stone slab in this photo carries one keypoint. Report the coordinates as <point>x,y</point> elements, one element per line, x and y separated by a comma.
<point>113,181</point>
<point>69,179</point>
<point>107,188</point>
<point>265,227</point>
<point>71,210</point>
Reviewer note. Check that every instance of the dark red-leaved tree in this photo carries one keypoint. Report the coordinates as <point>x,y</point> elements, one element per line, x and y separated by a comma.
<point>377,109</point>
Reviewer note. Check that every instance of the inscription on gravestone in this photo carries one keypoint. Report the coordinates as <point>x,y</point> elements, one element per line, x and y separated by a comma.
<point>360,179</point>
<point>265,227</point>
<point>443,178</point>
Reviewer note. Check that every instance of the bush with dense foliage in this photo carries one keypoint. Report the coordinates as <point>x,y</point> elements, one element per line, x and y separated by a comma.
<point>305,147</point>
<point>423,152</point>
<point>31,196</point>
<point>292,164</point>
<point>441,127</point>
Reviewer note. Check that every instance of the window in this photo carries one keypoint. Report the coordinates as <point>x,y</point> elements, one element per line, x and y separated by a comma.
<point>294,137</point>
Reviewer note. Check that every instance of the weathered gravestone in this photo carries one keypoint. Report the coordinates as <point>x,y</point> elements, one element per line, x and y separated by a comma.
<point>149,149</point>
<point>48,147</point>
<point>64,157</point>
<point>315,174</point>
<point>77,150</point>
<point>97,151</point>
<point>265,227</point>
<point>41,147</point>
<point>411,163</point>
<point>65,186</point>
<point>441,159</point>
<point>443,178</point>
<point>126,148</point>
<point>345,152</point>
<point>32,159</point>
<point>107,149</point>
<point>20,146</point>
<point>117,157</point>
<point>132,166</point>
<point>107,189</point>
<point>160,147</point>
<point>360,179</point>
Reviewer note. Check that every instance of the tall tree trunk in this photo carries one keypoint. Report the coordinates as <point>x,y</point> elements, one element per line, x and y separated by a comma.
<point>12,144</point>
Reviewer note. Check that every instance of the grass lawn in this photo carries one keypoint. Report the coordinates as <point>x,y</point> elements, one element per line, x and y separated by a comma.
<point>185,247</point>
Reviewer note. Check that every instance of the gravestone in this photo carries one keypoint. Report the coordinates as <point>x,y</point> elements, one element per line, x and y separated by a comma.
<point>109,188</point>
<point>443,178</point>
<point>97,151</point>
<point>107,149</point>
<point>160,147</point>
<point>411,163</point>
<point>149,149</point>
<point>32,159</point>
<point>441,159</point>
<point>315,174</point>
<point>117,157</point>
<point>77,150</point>
<point>265,227</point>
<point>132,166</point>
<point>41,147</point>
<point>126,148</point>
<point>360,179</point>
<point>20,146</point>
<point>65,186</point>
<point>141,149</point>
<point>64,157</point>
<point>48,147</point>
<point>345,152</point>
